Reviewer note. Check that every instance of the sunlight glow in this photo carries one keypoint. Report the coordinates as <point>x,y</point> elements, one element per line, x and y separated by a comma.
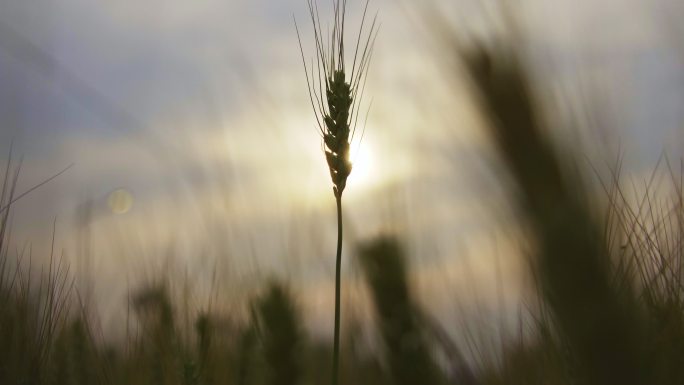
<point>363,172</point>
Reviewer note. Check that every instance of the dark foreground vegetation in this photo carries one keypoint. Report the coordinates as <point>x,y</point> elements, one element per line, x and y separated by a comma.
<point>608,278</point>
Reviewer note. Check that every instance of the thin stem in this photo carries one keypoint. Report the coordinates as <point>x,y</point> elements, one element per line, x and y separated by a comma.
<point>338,284</point>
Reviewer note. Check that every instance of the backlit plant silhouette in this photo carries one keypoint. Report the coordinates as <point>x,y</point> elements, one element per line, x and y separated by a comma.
<point>335,96</point>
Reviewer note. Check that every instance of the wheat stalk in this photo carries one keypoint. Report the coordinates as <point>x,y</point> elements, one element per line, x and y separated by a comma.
<point>336,99</point>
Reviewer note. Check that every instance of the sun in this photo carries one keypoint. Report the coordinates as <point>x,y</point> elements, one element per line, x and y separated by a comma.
<point>362,174</point>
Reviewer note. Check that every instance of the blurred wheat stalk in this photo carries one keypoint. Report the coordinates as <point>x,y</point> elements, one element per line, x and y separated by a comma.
<point>336,97</point>
<point>602,324</point>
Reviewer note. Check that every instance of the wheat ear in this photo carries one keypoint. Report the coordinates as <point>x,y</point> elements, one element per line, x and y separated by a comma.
<point>337,114</point>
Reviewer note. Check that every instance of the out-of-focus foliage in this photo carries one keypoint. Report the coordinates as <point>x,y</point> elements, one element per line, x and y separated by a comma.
<point>398,318</point>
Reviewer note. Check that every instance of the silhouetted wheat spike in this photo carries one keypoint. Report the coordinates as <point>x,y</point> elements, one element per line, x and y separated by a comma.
<point>337,116</point>
<point>336,136</point>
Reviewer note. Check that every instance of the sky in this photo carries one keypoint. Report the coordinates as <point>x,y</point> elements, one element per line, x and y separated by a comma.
<point>192,145</point>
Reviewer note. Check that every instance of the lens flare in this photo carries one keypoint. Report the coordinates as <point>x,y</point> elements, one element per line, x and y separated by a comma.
<point>120,201</point>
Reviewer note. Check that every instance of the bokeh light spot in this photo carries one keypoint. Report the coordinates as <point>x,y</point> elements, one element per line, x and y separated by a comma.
<point>120,201</point>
